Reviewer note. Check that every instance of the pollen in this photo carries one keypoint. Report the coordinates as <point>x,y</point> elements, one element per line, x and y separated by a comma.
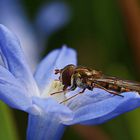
<point>54,87</point>
<point>57,85</point>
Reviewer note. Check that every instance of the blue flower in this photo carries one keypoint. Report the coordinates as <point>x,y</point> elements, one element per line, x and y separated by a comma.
<point>47,118</point>
<point>52,16</point>
<point>33,36</point>
<point>15,19</point>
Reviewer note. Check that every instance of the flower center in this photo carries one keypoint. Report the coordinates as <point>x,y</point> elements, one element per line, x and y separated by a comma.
<point>52,89</point>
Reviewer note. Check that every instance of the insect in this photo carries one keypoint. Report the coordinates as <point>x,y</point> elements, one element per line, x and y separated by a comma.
<point>73,76</point>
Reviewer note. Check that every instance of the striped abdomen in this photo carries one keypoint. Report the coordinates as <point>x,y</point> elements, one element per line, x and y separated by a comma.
<point>118,85</point>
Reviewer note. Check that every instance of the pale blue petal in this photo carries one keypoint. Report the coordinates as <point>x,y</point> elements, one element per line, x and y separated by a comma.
<point>100,107</point>
<point>14,96</point>
<point>14,59</point>
<point>52,17</point>
<point>12,15</point>
<point>11,92</point>
<point>6,76</point>
<point>44,128</point>
<point>50,106</point>
<point>47,125</point>
<point>56,59</point>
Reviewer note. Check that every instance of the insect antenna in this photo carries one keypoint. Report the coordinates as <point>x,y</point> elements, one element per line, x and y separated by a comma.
<point>56,71</point>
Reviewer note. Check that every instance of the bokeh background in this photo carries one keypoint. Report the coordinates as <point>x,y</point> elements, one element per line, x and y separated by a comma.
<point>106,35</point>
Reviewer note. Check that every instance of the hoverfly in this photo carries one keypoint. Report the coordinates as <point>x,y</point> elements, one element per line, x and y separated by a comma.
<point>85,78</point>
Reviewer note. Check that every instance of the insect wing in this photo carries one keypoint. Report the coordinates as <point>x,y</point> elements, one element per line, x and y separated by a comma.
<point>132,85</point>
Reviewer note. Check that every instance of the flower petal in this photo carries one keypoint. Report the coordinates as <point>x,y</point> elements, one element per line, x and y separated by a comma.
<point>52,16</point>
<point>16,19</point>
<point>50,106</point>
<point>101,107</point>
<point>46,125</point>
<point>44,128</point>
<point>56,59</point>
<point>11,92</point>
<point>14,59</point>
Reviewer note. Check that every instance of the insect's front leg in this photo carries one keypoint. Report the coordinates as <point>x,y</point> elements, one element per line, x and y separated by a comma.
<point>73,82</point>
<point>73,96</point>
<point>73,87</point>
<point>64,90</point>
<point>82,91</point>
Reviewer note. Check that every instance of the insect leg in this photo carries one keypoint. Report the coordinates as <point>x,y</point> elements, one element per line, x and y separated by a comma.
<point>65,89</point>
<point>73,87</point>
<point>56,80</point>
<point>73,96</point>
<point>111,92</point>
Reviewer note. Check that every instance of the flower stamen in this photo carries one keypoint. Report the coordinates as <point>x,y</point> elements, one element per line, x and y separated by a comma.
<point>55,86</point>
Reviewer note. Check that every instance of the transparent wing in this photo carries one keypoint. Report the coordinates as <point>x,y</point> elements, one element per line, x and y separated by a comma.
<point>132,85</point>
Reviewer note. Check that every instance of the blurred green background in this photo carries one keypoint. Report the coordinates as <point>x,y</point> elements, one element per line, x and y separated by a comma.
<point>103,35</point>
